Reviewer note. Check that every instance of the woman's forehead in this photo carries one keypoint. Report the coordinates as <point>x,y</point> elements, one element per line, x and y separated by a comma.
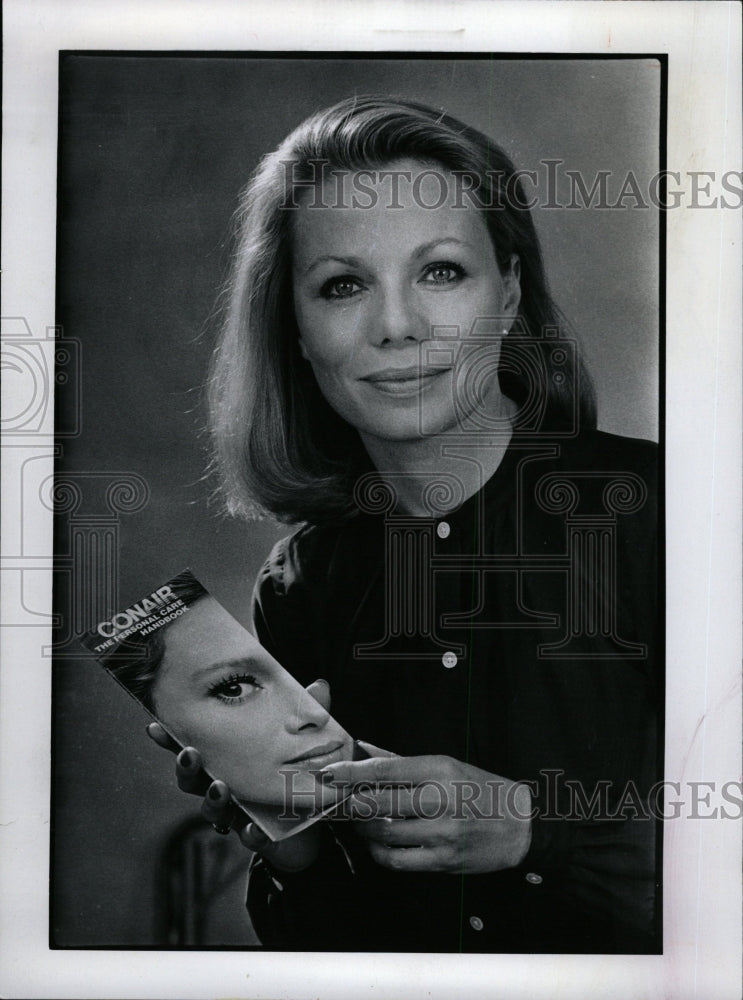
<point>207,632</point>
<point>398,184</point>
<point>402,206</point>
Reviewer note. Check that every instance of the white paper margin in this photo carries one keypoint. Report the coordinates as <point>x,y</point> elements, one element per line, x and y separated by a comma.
<point>702,898</point>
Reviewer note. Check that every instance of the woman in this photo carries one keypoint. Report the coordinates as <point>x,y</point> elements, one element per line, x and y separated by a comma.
<point>475,573</point>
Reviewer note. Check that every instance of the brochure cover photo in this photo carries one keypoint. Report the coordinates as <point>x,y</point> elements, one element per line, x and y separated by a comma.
<point>211,685</point>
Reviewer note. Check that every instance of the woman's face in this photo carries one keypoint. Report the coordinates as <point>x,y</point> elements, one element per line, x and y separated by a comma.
<point>220,691</point>
<point>387,298</point>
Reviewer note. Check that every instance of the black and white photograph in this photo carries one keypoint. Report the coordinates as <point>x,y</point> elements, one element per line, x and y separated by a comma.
<point>384,346</point>
<point>473,570</point>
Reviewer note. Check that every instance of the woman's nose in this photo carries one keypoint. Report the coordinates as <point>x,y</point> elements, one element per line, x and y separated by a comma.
<point>398,322</point>
<point>308,713</point>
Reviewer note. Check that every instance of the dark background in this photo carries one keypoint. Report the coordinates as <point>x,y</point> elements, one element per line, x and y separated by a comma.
<point>153,152</point>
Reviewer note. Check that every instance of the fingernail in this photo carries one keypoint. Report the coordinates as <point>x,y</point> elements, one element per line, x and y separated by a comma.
<point>326,777</point>
<point>321,680</point>
<point>186,759</point>
<point>215,792</point>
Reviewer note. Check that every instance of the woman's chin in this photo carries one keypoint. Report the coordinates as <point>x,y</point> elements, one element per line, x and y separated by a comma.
<point>297,788</point>
<point>417,424</point>
<point>308,793</point>
<point>302,792</point>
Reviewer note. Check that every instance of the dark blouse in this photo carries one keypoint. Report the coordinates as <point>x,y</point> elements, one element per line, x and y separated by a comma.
<point>519,633</point>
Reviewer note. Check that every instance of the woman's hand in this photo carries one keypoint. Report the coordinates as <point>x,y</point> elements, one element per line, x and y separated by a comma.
<point>435,813</point>
<point>293,854</point>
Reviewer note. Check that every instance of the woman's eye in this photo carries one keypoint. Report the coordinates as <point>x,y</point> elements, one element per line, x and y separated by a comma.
<point>234,689</point>
<point>442,274</point>
<point>340,288</point>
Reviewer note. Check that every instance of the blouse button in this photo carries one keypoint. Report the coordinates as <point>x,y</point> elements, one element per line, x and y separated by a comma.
<point>443,530</point>
<point>449,660</point>
<point>533,878</point>
<point>476,924</point>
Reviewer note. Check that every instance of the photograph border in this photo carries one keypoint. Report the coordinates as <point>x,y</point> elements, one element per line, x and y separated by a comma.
<point>702,864</point>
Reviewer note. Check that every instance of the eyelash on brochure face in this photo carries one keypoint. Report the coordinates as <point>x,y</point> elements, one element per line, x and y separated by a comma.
<point>329,287</point>
<point>219,688</point>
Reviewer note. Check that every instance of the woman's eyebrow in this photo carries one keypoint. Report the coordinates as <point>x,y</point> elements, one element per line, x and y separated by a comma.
<point>440,241</point>
<point>239,663</point>
<point>347,261</point>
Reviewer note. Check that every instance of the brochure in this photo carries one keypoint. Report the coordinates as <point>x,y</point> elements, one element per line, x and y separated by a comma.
<point>211,685</point>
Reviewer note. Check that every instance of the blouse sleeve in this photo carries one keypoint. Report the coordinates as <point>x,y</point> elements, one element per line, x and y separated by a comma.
<point>608,862</point>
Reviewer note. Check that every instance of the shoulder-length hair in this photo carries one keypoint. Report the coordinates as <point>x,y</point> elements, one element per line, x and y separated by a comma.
<point>278,446</point>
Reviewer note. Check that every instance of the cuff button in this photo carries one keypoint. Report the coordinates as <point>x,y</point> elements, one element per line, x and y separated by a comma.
<point>476,924</point>
<point>533,878</point>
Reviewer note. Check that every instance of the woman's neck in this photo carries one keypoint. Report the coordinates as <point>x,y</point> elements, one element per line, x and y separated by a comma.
<point>414,467</point>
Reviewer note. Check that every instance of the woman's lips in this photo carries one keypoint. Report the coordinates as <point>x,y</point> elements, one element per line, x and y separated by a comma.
<point>403,381</point>
<point>319,756</point>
